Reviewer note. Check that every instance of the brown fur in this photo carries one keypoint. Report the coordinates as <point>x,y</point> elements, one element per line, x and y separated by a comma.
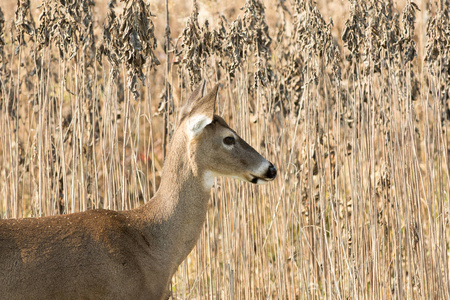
<point>104,254</point>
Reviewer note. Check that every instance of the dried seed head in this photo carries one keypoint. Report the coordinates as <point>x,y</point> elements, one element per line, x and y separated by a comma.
<point>195,46</point>
<point>219,36</point>
<point>130,40</point>
<point>437,54</point>
<point>70,26</point>
<point>2,42</point>
<point>438,37</point>
<point>258,40</point>
<point>235,45</point>
<point>408,44</point>
<point>352,35</point>
<point>409,18</point>
<point>110,45</point>
<point>23,23</point>
<point>137,35</point>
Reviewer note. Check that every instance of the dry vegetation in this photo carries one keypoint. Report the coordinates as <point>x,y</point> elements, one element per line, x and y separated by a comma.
<point>355,114</point>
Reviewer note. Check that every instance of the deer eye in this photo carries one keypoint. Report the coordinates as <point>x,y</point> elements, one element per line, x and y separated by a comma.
<point>229,140</point>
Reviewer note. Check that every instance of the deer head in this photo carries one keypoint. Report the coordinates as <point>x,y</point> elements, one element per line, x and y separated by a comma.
<point>215,148</point>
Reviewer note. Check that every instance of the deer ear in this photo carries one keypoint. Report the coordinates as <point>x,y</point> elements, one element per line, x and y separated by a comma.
<point>202,113</point>
<point>197,94</point>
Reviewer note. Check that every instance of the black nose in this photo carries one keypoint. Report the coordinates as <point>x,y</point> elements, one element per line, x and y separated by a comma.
<point>271,172</point>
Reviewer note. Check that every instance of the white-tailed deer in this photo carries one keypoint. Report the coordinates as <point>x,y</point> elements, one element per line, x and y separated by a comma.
<point>104,254</point>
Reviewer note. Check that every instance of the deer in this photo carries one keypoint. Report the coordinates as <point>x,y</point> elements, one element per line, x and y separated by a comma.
<point>133,254</point>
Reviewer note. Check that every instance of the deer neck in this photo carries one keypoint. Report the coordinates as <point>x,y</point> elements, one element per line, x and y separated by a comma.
<point>174,217</point>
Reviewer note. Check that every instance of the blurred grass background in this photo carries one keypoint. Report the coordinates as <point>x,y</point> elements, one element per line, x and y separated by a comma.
<point>349,99</point>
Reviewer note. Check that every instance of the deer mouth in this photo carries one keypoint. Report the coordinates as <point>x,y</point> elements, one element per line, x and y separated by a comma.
<point>260,180</point>
<point>254,180</point>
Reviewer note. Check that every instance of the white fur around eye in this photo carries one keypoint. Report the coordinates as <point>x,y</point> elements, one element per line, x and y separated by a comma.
<point>196,124</point>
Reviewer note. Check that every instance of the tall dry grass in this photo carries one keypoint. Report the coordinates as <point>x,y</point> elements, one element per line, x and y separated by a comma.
<point>353,110</point>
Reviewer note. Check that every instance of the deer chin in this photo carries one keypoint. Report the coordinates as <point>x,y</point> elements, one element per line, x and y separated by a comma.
<point>252,178</point>
<point>259,180</point>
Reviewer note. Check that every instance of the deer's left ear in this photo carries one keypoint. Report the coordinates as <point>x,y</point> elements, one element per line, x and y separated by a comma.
<point>201,113</point>
<point>195,96</point>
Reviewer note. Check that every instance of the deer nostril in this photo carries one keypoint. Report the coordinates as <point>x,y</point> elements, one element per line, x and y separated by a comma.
<point>271,172</point>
